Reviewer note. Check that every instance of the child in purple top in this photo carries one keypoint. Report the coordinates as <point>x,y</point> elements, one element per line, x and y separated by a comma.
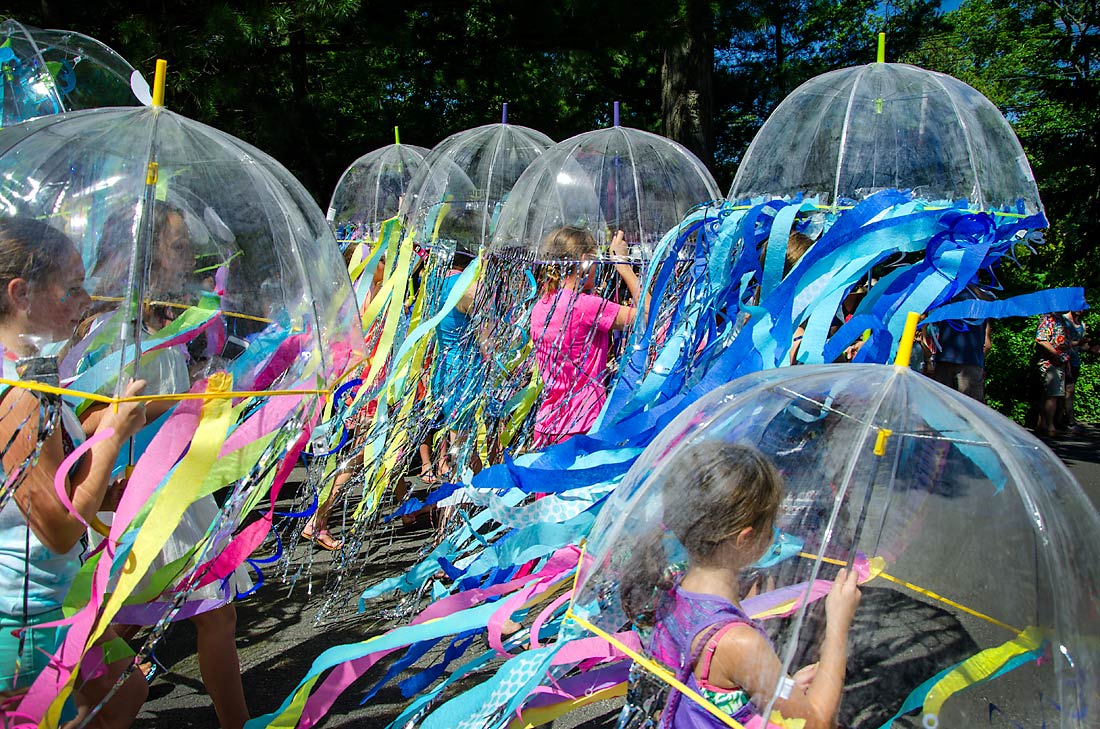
<point>698,627</point>
<point>572,333</point>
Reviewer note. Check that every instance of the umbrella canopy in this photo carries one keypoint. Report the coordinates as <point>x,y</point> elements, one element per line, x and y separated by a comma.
<point>468,176</point>
<point>976,547</point>
<point>171,216</point>
<point>213,276</point>
<point>605,180</point>
<point>847,134</point>
<point>371,189</point>
<point>53,71</point>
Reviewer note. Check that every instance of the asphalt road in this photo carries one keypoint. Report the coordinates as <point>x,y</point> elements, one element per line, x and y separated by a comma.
<point>278,637</point>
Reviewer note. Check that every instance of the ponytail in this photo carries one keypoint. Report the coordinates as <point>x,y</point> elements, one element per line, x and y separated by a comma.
<point>552,276</point>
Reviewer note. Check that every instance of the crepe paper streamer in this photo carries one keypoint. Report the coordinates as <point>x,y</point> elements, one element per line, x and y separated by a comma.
<point>254,534</point>
<point>917,697</point>
<point>420,682</point>
<point>427,698</point>
<point>99,377</point>
<point>1039,302</point>
<point>61,478</point>
<point>786,600</point>
<point>509,606</point>
<point>581,690</point>
<point>421,573</point>
<point>561,562</point>
<point>548,611</point>
<point>493,698</point>
<point>413,685</point>
<point>977,669</point>
<point>412,654</point>
<point>347,662</point>
<point>165,450</point>
<point>392,294</point>
<point>458,619</point>
<point>47,695</point>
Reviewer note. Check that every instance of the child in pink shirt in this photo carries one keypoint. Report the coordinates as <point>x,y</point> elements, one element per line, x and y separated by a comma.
<point>572,333</point>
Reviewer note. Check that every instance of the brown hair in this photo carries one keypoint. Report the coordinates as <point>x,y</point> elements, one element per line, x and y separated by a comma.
<point>721,489</point>
<point>569,245</point>
<point>797,245</point>
<point>30,250</point>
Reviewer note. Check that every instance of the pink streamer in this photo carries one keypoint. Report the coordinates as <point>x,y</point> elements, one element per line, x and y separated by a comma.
<point>342,676</point>
<point>536,626</point>
<point>60,479</point>
<point>246,542</point>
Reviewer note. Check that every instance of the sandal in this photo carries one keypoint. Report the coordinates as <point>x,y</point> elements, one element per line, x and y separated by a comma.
<point>429,478</point>
<point>323,539</point>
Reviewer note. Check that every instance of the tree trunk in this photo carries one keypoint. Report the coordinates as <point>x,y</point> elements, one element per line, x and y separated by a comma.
<point>687,68</point>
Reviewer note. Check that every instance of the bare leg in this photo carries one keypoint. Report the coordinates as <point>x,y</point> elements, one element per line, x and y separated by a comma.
<point>219,665</point>
<point>316,529</point>
<point>123,707</point>
<point>443,467</point>
<point>426,474</point>
<point>1069,418</point>
<point>1047,414</point>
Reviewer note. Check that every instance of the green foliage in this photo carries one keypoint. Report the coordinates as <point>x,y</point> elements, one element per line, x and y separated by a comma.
<point>318,83</point>
<point>1012,384</point>
<point>1037,62</point>
<point>1011,378</point>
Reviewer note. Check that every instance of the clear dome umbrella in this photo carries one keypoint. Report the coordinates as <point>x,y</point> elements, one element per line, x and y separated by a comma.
<point>975,546</point>
<point>586,188</point>
<point>606,180</point>
<point>469,175</point>
<point>52,71</point>
<point>166,213</point>
<point>847,134</point>
<point>213,276</point>
<point>371,190</point>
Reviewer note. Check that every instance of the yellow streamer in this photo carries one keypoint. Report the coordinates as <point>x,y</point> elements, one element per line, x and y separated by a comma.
<point>977,668</point>
<point>545,714</point>
<point>168,397</point>
<point>878,569</point>
<point>172,500</point>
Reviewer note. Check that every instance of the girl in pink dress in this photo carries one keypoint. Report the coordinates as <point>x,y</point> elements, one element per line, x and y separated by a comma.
<point>572,329</point>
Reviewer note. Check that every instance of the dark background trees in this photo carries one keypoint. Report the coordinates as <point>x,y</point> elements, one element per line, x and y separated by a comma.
<point>317,83</point>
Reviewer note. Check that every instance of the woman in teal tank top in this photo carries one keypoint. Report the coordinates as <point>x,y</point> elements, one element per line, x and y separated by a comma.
<point>42,299</point>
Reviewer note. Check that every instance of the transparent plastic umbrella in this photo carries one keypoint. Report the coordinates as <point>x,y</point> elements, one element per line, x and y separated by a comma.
<point>976,548</point>
<point>583,190</point>
<point>52,71</point>
<point>605,180</point>
<point>468,176</point>
<point>214,277</point>
<point>169,214</point>
<point>371,189</point>
<point>847,134</point>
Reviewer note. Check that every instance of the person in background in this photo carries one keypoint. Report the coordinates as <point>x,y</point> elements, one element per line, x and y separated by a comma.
<point>1052,348</point>
<point>1075,329</point>
<point>959,350</point>
<point>572,332</point>
<point>42,300</point>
